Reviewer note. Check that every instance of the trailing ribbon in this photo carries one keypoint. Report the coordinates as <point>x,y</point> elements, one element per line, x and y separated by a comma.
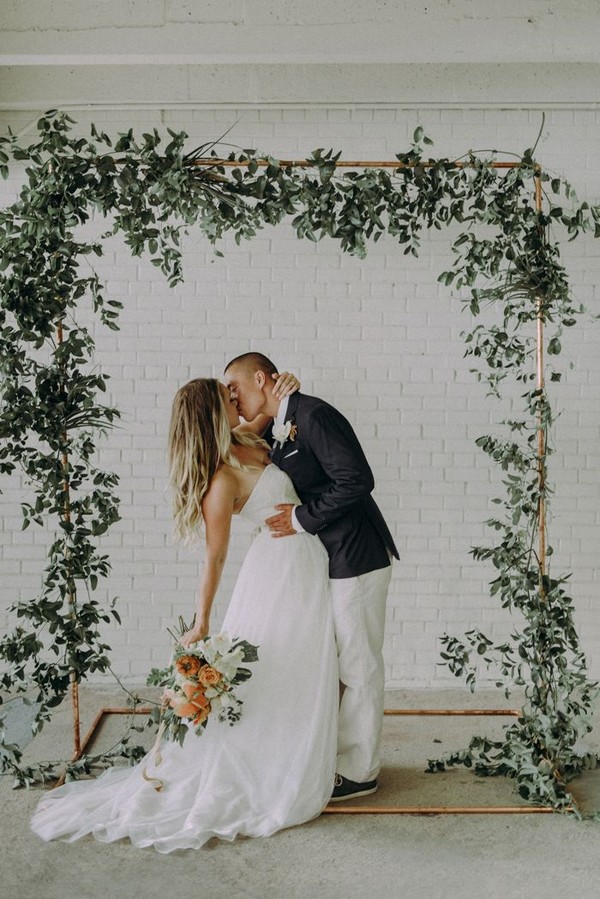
<point>155,756</point>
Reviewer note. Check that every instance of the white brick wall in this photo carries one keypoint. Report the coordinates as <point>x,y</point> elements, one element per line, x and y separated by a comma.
<point>381,340</point>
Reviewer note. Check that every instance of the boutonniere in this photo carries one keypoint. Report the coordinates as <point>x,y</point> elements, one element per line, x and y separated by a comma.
<point>287,431</point>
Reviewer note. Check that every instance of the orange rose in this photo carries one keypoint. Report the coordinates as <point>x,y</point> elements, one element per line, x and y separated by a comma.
<point>188,665</point>
<point>195,705</point>
<point>208,676</point>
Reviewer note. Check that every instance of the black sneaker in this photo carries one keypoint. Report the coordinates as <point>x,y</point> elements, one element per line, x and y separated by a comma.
<point>349,789</point>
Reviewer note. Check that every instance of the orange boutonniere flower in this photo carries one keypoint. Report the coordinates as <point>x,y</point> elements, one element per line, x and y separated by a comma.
<point>293,432</point>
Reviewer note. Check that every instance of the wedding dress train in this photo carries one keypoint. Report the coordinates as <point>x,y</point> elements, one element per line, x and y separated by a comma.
<point>272,769</point>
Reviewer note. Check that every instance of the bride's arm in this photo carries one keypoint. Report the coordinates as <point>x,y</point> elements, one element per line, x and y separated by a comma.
<point>217,509</point>
<point>285,384</point>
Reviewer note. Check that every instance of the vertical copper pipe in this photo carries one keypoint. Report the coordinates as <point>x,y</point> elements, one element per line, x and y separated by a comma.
<point>76,715</point>
<point>541,435</point>
<point>67,517</point>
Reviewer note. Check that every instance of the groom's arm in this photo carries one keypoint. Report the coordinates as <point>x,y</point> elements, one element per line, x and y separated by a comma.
<point>336,447</point>
<point>258,425</point>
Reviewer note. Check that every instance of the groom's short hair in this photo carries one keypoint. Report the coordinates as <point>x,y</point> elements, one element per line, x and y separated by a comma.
<point>253,362</point>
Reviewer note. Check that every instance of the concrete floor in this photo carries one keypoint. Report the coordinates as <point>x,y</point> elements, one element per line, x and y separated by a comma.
<point>335,857</point>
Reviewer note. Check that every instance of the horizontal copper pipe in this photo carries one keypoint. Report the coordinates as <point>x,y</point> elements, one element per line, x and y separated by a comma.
<point>452,712</point>
<point>437,810</point>
<point>343,163</point>
<point>109,710</point>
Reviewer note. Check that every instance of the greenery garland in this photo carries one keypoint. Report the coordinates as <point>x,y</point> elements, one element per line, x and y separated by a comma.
<point>506,262</point>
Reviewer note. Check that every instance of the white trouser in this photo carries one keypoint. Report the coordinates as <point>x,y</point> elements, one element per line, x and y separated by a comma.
<point>359,621</point>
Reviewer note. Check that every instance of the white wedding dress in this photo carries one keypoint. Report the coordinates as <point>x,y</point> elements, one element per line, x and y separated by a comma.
<point>272,769</point>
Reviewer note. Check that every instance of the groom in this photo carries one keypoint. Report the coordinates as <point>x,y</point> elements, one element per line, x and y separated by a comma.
<point>316,446</point>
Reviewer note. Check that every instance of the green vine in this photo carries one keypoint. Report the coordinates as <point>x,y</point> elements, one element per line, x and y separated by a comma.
<point>543,656</point>
<point>506,268</point>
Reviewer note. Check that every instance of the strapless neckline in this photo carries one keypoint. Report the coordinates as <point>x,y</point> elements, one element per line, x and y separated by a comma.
<point>268,491</point>
<point>256,483</point>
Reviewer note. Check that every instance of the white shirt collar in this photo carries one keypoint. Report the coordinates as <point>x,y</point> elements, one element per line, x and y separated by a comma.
<point>283,405</point>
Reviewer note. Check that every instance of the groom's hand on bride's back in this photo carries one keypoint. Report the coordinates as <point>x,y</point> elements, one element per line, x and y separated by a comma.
<point>281,525</point>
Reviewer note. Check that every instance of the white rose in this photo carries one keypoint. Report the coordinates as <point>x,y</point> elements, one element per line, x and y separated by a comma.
<point>229,664</point>
<point>282,432</point>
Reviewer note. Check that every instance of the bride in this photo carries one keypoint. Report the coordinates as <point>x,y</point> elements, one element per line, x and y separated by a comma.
<point>276,766</point>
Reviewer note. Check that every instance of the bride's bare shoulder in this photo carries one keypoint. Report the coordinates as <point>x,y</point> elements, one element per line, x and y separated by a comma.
<point>223,484</point>
<point>219,500</point>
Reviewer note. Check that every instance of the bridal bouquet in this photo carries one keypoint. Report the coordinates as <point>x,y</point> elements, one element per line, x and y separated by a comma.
<point>200,682</point>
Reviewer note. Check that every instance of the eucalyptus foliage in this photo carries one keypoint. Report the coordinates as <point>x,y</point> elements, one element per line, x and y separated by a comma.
<point>506,267</point>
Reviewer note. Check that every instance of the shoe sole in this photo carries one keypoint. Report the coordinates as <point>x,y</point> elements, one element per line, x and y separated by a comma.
<point>354,795</point>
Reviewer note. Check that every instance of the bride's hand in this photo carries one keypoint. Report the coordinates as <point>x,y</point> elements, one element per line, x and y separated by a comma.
<point>197,632</point>
<point>285,384</point>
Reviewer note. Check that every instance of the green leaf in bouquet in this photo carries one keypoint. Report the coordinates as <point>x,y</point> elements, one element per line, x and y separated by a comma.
<point>198,730</point>
<point>242,675</point>
<point>160,677</point>
<point>250,651</point>
<point>176,730</point>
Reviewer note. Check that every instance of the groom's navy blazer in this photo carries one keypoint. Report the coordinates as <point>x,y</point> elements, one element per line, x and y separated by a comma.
<point>334,481</point>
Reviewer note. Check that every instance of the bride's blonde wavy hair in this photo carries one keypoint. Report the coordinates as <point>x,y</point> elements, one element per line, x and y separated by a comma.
<point>200,440</point>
